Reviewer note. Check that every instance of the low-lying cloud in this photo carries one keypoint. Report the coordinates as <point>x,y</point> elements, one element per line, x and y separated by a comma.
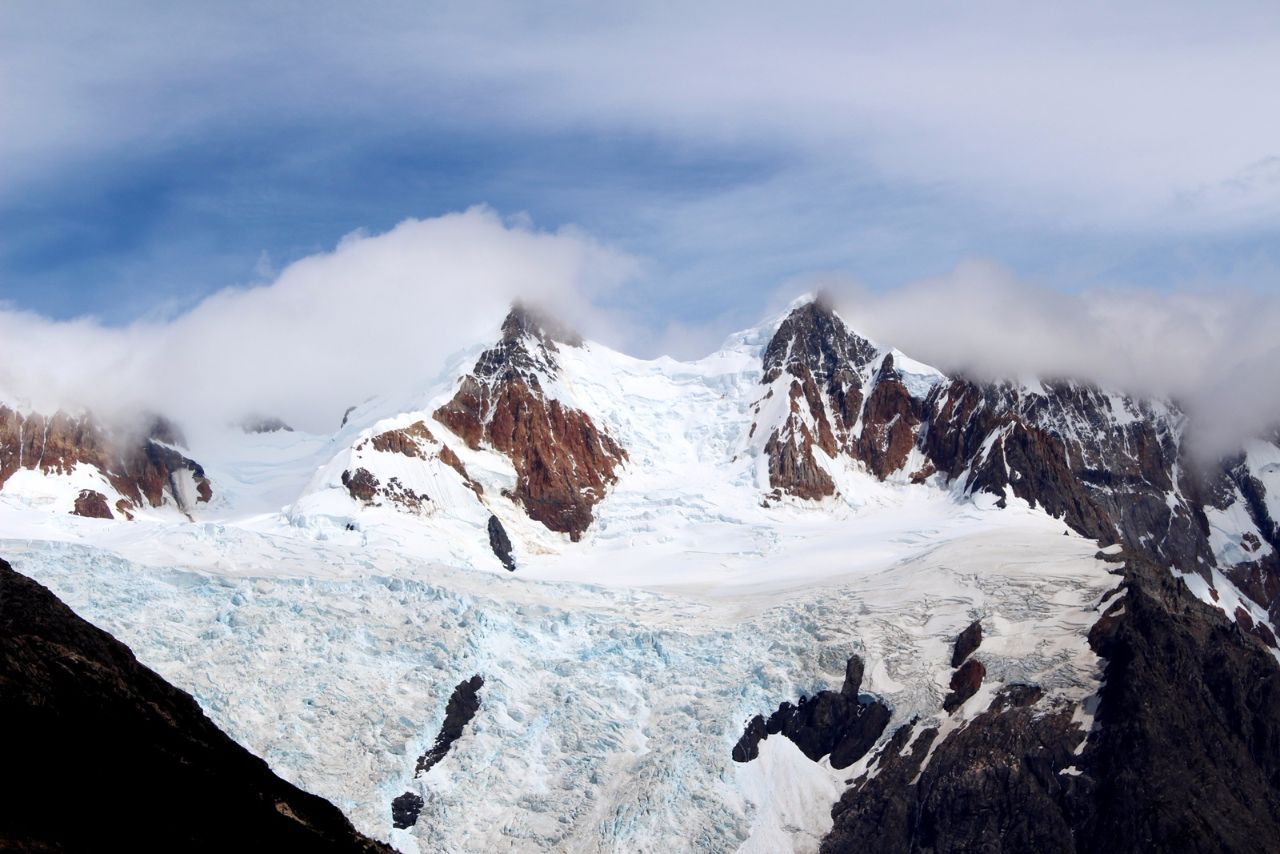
<point>377,314</point>
<point>1215,352</point>
<point>383,313</point>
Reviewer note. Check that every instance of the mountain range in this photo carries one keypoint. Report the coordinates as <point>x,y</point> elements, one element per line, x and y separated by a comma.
<point>806,593</point>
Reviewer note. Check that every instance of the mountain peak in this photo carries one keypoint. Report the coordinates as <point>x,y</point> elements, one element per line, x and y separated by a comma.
<point>524,320</point>
<point>814,335</point>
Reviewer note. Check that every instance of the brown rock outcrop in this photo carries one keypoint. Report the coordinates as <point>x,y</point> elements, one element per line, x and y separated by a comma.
<point>564,462</point>
<point>92,504</point>
<point>142,466</point>
<point>889,421</point>
<point>415,441</point>
<point>823,358</point>
<point>965,682</point>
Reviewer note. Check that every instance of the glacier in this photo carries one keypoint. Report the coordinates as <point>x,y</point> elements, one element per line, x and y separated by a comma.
<point>608,713</point>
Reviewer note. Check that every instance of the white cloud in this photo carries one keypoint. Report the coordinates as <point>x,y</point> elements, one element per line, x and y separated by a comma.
<point>379,313</point>
<point>1215,351</point>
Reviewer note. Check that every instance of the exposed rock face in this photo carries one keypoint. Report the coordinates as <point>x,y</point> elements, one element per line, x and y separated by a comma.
<point>405,810</point>
<point>1189,720</point>
<point>92,504</point>
<point>501,544</point>
<point>362,485</point>
<point>889,422</point>
<point>814,362</point>
<point>1113,468</point>
<point>463,704</point>
<point>154,773</point>
<point>837,723</point>
<point>564,462</point>
<point>1185,755</point>
<point>142,467</point>
<point>415,441</point>
<point>966,642</point>
<point>965,682</point>
<point>991,786</point>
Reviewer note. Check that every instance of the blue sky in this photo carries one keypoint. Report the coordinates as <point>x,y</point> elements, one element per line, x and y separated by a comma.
<point>154,154</point>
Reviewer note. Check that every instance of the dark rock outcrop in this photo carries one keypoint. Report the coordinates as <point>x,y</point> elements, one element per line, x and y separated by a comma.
<point>405,810</point>
<point>1184,755</point>
<point>501,543</point>
<point>965,682</point>
<point>463,704</point>
<point>966,642</point>
<point>835,723</point>
<point>991,786</point>
<point>564,461</point>
<point>101,754</point>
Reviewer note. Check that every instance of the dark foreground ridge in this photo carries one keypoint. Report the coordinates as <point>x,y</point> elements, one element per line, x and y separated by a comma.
<point>101,754</point>
<point>1185,756</point>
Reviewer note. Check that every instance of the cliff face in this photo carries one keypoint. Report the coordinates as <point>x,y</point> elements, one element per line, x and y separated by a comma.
<point>100,753</point>
<point>142,466</point>
<point>564,461</point>
<point>813,363</point>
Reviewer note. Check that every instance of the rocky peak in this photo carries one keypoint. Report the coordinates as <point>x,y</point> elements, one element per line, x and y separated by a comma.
<point>528,346</point>
<point>814,336</point>
<point>564,461</point>
<point>1111,466</point>
<point>817,362</point>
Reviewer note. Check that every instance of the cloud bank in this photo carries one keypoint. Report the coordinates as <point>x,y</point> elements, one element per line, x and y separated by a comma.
<point>382,314</point>
<point>1215,352</point>
<point>377,314</point>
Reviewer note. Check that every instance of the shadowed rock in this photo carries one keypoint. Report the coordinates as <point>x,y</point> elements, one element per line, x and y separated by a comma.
<point>101,754</point>
<point>966,642</point>
<point>501,543</point>
<point>965,682</point>
<point>1184,754</point>
<point>835,723</point>
<point>405,810</point>
<point>463,704</point>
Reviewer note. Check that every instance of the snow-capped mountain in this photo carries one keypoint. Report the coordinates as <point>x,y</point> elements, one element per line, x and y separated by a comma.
<point>706,601</point>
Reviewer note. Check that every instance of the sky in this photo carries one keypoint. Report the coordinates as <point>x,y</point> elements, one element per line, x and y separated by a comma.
<point>700,162</point>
